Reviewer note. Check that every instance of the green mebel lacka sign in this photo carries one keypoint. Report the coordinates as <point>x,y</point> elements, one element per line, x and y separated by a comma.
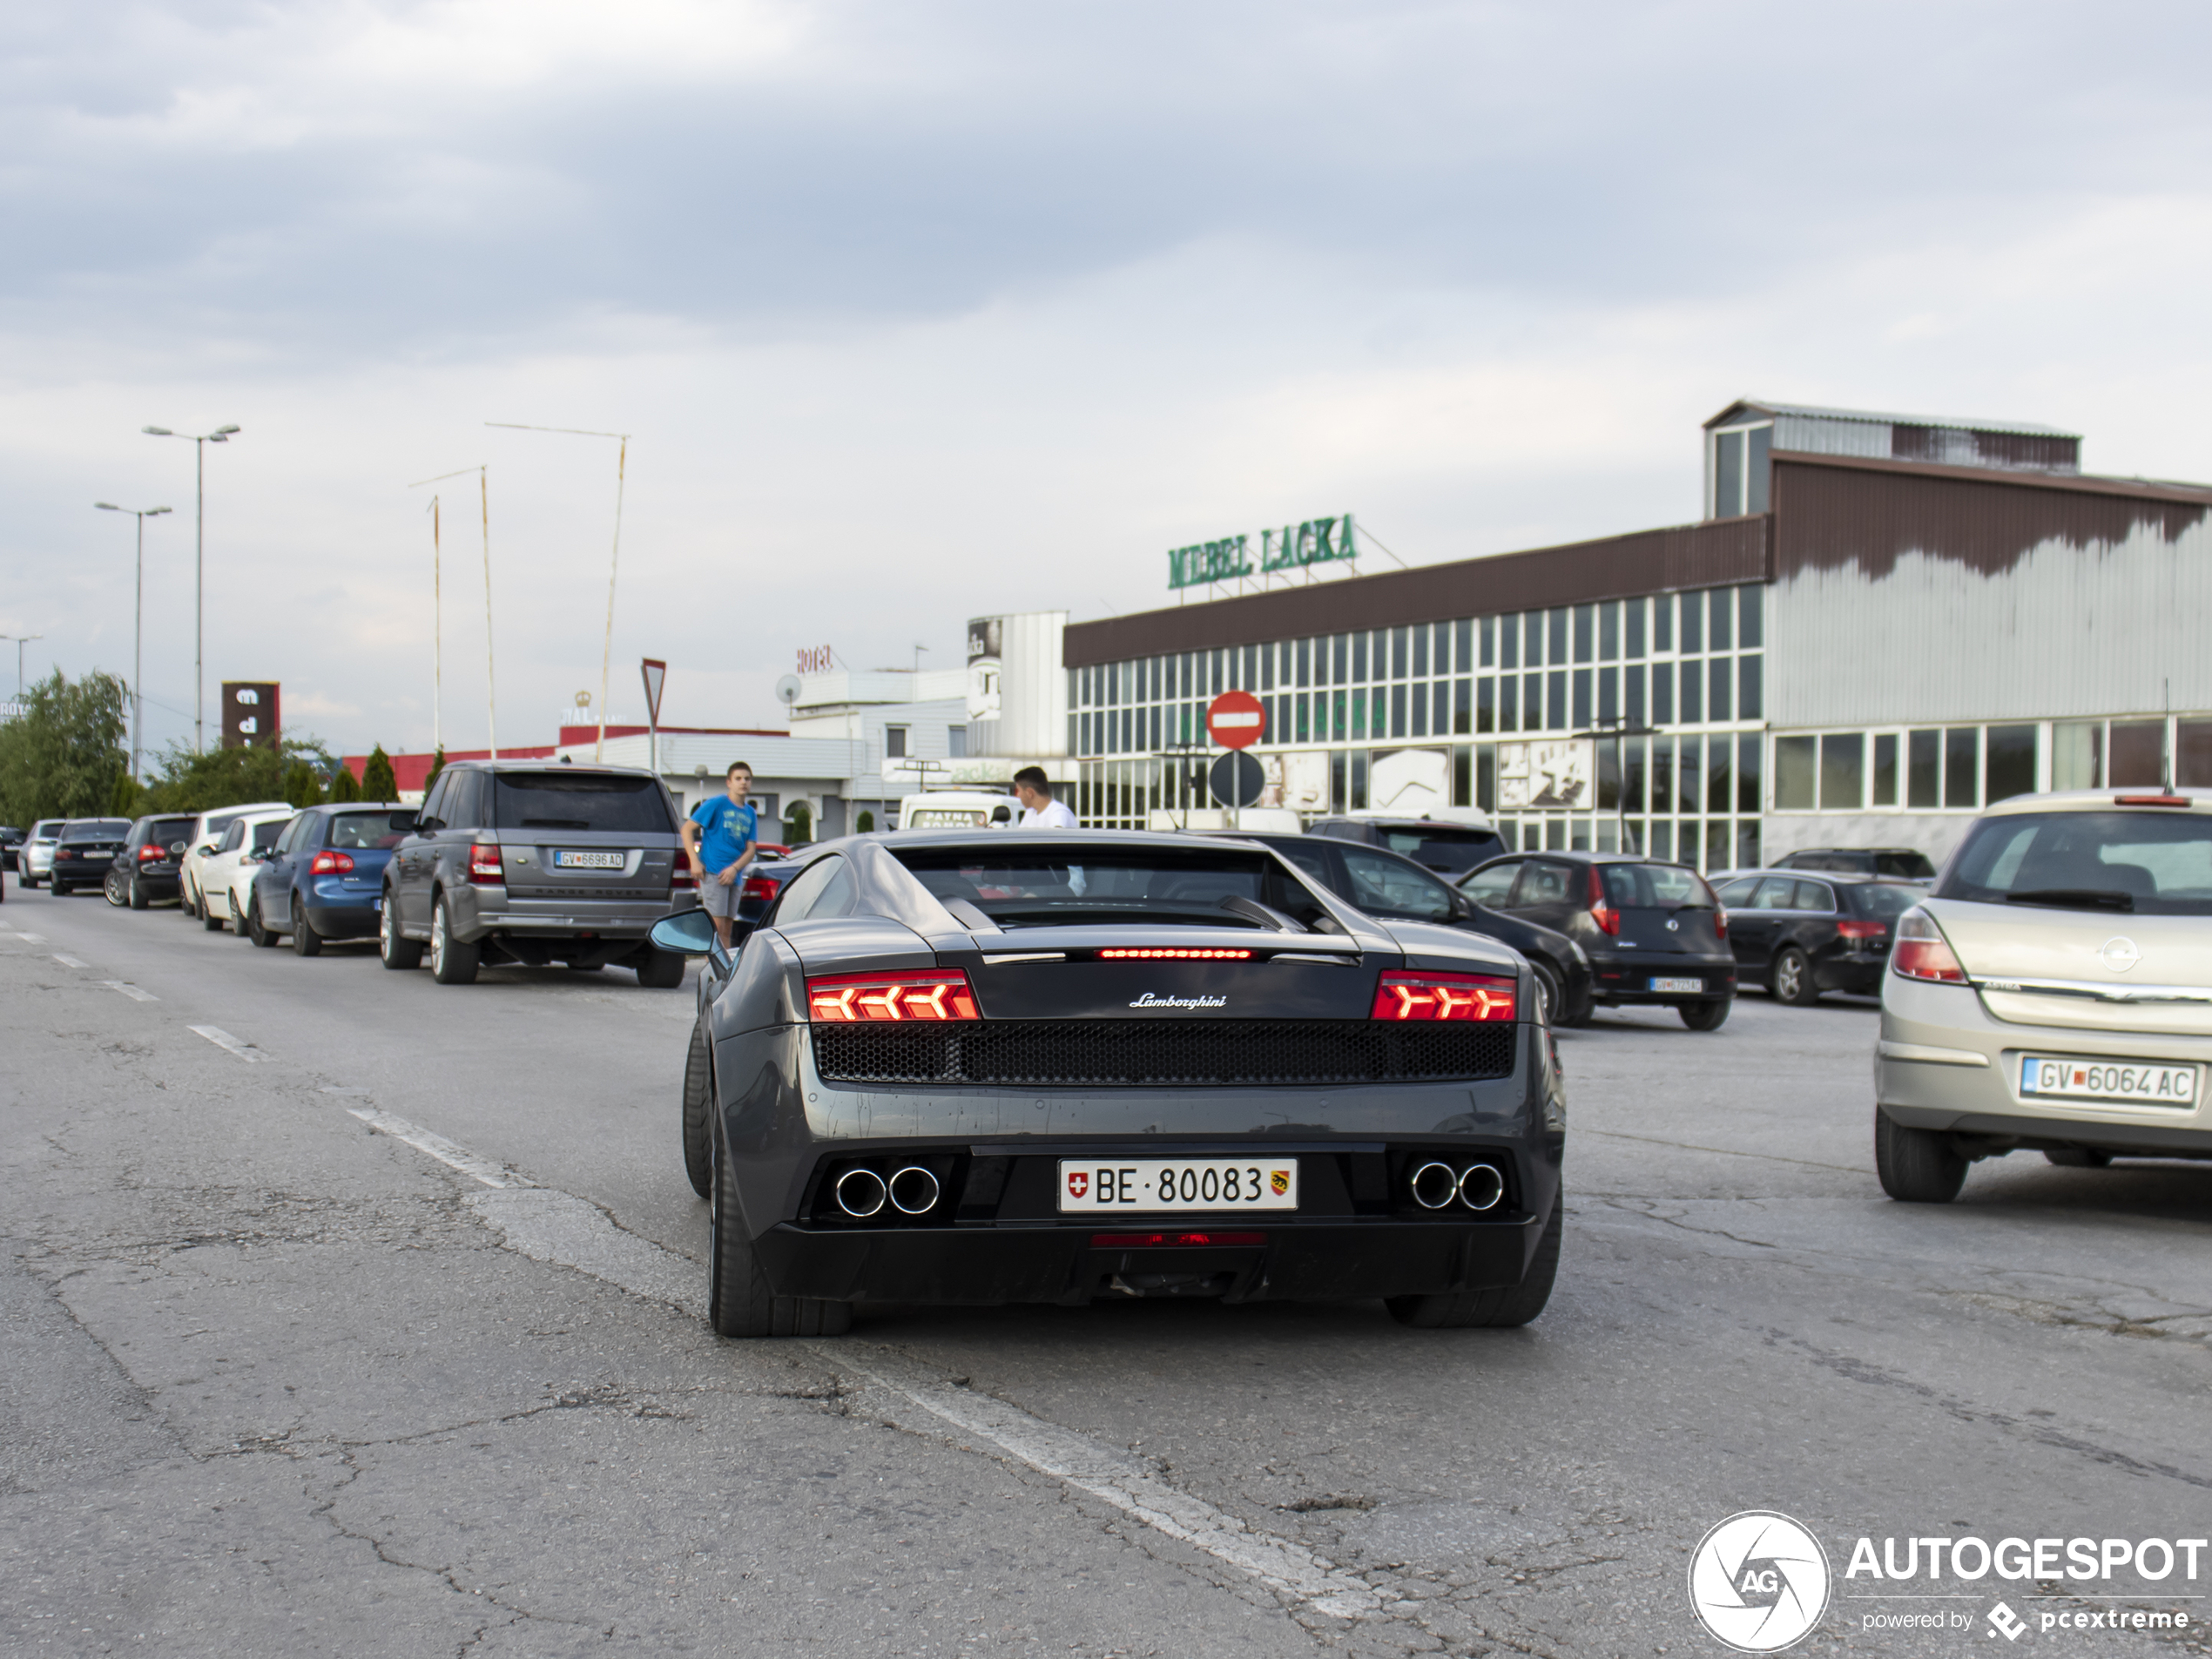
<point>1319,541</point>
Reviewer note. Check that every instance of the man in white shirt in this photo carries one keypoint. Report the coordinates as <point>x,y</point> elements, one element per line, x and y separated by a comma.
<point>1034,790</point>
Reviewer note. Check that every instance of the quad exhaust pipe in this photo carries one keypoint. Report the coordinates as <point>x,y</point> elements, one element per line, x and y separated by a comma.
<point>914,1191</point>
<point>1437,1186</point>
<point>861,1192</point>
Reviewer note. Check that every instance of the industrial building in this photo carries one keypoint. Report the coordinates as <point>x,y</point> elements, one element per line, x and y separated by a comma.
<point>1881,623</point>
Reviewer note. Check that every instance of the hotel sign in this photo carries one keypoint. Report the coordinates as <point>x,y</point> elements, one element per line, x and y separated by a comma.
<point>1319,541</point>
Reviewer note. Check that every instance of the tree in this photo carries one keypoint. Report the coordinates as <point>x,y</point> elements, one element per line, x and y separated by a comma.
<point>62,753</point>
<point>343,787</point>
<point>196,782</point>
<point>377,781</point>
<point>438,765</point>
<point>867,823</point>
<point>123,801</point>
<point>301,786</point>
<point>799,824</point>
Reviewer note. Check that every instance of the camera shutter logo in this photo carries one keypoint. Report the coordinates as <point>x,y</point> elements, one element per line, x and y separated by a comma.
<point>1759,1582</point>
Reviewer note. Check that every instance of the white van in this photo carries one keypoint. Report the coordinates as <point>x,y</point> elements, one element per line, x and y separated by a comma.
<point>939,809</point>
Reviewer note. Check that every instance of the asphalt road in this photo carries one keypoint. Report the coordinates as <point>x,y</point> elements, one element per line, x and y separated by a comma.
<point>278,1380</point>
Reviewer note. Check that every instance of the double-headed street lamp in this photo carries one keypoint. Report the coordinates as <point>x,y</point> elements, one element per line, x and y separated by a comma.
<point>21,641</point>
<point>137,629</point>
<point>200,442</point>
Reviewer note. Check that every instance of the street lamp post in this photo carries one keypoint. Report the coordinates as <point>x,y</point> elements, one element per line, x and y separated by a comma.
<point>137,632</point>
<point>1617,728</point>
<point>220,434</point>
<point>21,641</point>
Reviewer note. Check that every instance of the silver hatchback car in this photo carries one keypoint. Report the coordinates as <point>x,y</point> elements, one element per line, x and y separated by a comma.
<point>2052,994</point>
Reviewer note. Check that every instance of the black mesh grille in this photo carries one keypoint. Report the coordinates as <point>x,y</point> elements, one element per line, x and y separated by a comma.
<point>1136,1052</point>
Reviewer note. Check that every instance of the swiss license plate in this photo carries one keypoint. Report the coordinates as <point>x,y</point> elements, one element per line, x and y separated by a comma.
<point>1692,985</point>
<point>2045,1077</point>
<point>1091,1186</point>
<point>569,858</point>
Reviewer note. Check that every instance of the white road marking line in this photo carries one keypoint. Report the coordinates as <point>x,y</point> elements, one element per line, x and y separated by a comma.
<point>222,1039</point>
<point>32,939</point>
<point>128,989</point>
<point>70,961</point>
<point>446,1152</point>
<point>550,1225</point>
<point>1122,1479</point>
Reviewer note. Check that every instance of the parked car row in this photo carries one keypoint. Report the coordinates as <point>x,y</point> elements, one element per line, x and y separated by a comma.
<point>516,862</point>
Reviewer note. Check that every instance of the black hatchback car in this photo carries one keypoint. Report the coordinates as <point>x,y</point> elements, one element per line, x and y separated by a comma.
<point>1451,849</point>
<point>1393,887</point>
<point>1801,934</point>
<point>146,871</point>
<point>1653,932</point>
<point>86,852</point>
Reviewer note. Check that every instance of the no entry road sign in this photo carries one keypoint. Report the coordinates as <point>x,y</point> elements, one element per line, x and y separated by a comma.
<point>1236,720</point>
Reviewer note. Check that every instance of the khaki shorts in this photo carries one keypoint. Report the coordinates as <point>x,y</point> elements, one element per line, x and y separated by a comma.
<point>716,900</point>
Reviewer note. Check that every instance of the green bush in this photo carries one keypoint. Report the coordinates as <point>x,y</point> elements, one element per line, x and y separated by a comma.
<point>377,782</point>
<point>866,822</point>
<point>61,754</point>
<point>798,825</point>
<point>342,785</point>
<point>302,787</point>
<point>438,765</point>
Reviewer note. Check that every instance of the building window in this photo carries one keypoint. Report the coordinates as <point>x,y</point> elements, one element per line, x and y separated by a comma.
<point>895,743</point>
<point>2009,762</point>
<point>1924,769</point>
<point>1740,470</point>
<point>2137,751</point>
<point>1961,766</point>
<point>957,742</point>
<point>1793,773</point>
<point>1884,770</point>
<point>1842,772</point>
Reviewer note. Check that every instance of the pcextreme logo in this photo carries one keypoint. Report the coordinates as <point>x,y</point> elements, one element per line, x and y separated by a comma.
<point>1759,1582</point>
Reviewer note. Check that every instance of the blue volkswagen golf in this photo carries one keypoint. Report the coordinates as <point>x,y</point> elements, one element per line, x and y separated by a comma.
<point>325,877</point>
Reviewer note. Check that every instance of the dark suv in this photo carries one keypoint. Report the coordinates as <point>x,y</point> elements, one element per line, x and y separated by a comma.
<point>520,861</point>
<point>1897,863</point>
<point>146,869</point>
<point>1653,932</point>
<point>1451,849</point>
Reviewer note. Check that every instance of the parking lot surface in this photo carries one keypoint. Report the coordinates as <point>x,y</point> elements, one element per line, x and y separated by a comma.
<point>347,1313</point>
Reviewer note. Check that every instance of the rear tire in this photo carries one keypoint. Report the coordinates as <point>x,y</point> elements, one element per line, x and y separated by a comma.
<point>256,929</point>
<point>138,900</point>
<point>209,918</point>
<point>1551,1001</point>
<point>396,953</point>
<point>452,962</point>
<point>2079,1158</point>
<point>661,970</point>
<point>1705,1016</point>
<point>738,1301</point>
<point>1916,1165</point>
<point>306,941</point>
<point>1499,1308</point>
<point>699,1106</point>
<point>1791,981</point>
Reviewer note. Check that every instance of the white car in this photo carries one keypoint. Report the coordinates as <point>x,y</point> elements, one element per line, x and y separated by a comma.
<point>2052,994</point>
<point>226,874</point>
<point>36,862</point>
<point>207,835</point>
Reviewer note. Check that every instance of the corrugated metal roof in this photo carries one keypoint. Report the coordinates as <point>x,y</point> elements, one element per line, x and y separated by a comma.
<point>1768,406</point>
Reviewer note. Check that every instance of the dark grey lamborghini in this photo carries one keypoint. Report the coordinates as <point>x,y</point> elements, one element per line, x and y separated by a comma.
<point>1022,1066</point>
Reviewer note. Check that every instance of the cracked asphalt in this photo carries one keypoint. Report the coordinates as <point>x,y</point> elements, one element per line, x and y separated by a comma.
<point>271,1383</point>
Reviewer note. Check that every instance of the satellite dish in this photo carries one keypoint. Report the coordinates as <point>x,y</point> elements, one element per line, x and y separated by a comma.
<point>787,690</point>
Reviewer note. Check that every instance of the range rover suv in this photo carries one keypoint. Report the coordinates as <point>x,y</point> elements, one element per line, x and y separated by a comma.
<point>523,862</point>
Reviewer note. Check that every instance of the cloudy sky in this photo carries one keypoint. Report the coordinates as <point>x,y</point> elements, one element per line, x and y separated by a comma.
<point>920,310</point>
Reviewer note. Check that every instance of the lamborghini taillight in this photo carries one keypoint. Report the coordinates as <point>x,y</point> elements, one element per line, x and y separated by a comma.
<point>868,998</point>
<point>1411,996</point>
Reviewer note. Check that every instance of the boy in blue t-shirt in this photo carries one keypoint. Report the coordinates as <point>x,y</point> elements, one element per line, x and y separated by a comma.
<point>720,837</point>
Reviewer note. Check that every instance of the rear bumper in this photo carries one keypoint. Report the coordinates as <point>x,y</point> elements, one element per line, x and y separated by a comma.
<point>340,920</point>
<point>489,911</point>
<point>1056,1262</point>
<point>1626,982</point>
<point>1855,976</point>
